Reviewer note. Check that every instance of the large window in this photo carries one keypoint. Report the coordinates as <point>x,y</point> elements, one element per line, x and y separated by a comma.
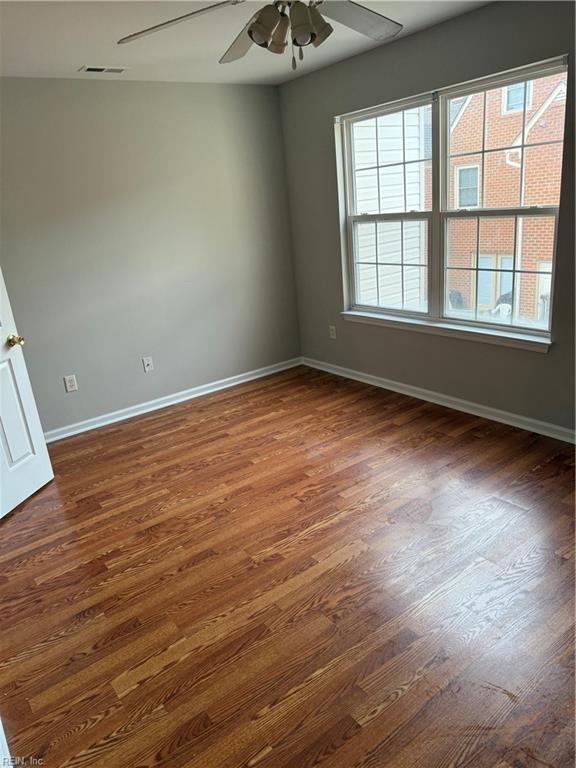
<point>451,204</point>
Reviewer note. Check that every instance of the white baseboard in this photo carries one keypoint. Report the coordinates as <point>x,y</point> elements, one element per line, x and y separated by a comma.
<point>512,419</point>
<point>163,402</point>
<point>505,417</point>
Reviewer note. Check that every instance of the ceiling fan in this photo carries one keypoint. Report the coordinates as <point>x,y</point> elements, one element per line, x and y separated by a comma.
<point>272,26</point>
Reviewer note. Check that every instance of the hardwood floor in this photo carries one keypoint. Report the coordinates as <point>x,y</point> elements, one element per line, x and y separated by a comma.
<point>298,571</point>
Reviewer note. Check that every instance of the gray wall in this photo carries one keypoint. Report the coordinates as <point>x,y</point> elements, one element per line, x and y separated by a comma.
<point>143,219</point>
<point>492,39</point>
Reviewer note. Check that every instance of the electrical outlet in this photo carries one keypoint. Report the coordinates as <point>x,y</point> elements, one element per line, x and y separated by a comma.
<point>332,331</point>
<point>148,364</point>
<point>70,383</point>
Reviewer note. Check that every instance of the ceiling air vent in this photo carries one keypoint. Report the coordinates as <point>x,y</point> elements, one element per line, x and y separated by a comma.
<point>102,70</point>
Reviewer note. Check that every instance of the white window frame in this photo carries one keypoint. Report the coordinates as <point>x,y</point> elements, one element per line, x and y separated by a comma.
<point>527,96</point>
<point>434,320</point>
<point>457,170</point>
<point>348,191</point>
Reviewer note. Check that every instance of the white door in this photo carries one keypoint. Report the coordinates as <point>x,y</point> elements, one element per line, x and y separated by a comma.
<point>23,454</point>
<point>5,758</point>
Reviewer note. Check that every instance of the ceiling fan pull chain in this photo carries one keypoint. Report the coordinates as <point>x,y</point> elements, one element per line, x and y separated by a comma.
<point>301,53</point>
<point>294,65</point>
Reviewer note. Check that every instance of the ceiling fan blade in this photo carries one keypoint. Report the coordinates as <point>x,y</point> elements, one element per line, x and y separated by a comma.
<point>360,19</point>
<point>240,45</point>
<point>177,20</point>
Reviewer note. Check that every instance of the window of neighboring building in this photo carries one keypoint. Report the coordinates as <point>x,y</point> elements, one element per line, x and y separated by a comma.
<point>494,292</point>
<point>513,97</point>
<point>467,186</point>
<point>410,173</point>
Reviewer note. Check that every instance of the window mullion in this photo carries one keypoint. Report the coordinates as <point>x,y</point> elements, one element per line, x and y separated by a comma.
<point>522,151</point>
<point>435,235</point>
<point>471,213</point>
<point>483,154</point>
<point>514,265</point>
<point>394,216</point>
<point>477,270</point>
<point>347,170</point>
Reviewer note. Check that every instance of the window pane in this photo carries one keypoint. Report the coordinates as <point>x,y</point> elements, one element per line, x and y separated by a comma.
<point>532,299</point>
<point>511,288</point>
<point>366,191</point>
<point>406,187</point>
<point>502,179</point>
<point>504,116</point>
<point>506,278</point>
<point>416,289</point>
<point>392,189</point>
<point>466,118</point>
<point>542,174</point>
<point>366,241</point>
<point>486,284</point>
<point>461,242</point>
<point>418,133</point>
<point>419,186</point>
<point>460,293</point>
<point>535,244</point>
<point>545,115</point>
<point>366,285</point>
<point>520,164</point>
<point>390,142</point>
<point>497,239</point>
<point>494,294</point>
<point>464,171</point>
<point>392,172</point>
<point>391,258</point>
<point>415,242</point>
<point>390,242</point>
<point>364,142</point>
<point>531,112</point>
<point>390,286</point>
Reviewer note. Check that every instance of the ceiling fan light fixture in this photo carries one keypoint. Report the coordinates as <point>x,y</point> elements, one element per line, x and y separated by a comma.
<point>262,28</point>
<point>279,38</point>
<point>269,26</point>
<point>302,30</point>
<point>321,27</point>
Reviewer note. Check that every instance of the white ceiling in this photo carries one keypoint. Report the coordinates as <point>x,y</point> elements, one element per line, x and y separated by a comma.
<point>54,39</point>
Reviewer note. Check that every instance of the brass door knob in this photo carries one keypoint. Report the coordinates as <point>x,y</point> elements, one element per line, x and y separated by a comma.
<point>14,341</point>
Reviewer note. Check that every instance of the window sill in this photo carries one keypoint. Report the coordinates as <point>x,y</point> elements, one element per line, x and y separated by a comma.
<point>534,343</point>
